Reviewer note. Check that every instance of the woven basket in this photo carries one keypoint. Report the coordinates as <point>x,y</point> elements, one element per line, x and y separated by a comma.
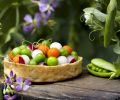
<point>40,73</point>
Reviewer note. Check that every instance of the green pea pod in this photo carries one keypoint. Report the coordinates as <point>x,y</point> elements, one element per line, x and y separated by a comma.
<point>100,74</point>
<point>103,64</point>
<point>102,68</point>
<point>114,75</point>
<point>109,23</point>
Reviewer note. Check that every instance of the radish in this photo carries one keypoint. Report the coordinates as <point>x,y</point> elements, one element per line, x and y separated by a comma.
<point>56,45</point>
<point>35,52</point>
<point>71,59</point>
<point>31,47</point>
<point>42,63</point>
<point>24,59</point>
<point>62,60</point>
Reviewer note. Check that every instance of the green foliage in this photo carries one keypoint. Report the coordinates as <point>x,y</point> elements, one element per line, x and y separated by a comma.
<point>65,25</point>
<point>116,48</point>
<point>107,23</point>
<point>108,19</point>
<point>8,19</point>
<point>94,18</point>
<point>69,18</point>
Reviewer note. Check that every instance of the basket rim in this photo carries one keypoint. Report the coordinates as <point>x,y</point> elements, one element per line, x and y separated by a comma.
<point>80,59</point>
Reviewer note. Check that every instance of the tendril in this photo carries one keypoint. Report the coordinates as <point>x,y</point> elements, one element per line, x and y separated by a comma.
<point>25,41</point>
<point>92,38</point>
<point>82,19</point>
<point>40,40</point>
<point>50,40</point>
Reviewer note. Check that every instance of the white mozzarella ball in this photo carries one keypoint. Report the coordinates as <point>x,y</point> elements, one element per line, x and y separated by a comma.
<point>26,59</point>
<point>62,60</point>
<point>35,52</point>
<point>56,45</point>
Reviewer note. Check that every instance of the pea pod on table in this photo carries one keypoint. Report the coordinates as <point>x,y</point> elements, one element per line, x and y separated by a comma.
<point>102,68</point>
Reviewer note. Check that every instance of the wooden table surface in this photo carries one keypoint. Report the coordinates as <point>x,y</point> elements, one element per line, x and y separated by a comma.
<point>84,87</point>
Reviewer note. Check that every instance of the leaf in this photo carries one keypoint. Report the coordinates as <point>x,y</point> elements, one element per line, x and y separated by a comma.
<point>8,37</point>
<point>18,38</point>
<point>8,22</point>
<point>116,49</point>
<point>118,4</point>
<point>117,20</point>
<point>98,14</point>
<point>3,11</point>
<point>5,3</point>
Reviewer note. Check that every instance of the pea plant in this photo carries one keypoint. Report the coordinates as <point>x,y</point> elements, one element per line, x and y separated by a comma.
<point>104,18</point>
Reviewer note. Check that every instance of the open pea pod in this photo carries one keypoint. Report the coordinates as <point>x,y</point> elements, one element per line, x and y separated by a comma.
<point>100,73</point>
<point>102,68</point>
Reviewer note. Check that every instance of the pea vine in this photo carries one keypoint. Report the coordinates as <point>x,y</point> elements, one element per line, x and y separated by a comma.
<point>104,19</point>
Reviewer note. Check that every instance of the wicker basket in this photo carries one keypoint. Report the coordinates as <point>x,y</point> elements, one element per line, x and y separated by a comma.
<point>40,73</point>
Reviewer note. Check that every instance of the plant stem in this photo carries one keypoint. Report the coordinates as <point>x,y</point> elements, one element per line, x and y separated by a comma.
<point>17,18</point>
<point>71,34</point>
<point>109,24</point>
<point>1,94</point>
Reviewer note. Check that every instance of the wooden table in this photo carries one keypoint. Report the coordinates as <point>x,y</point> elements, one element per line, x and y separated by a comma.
<point>84,87</point>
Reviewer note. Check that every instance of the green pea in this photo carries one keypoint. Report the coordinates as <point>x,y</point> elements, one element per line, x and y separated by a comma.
<point>16,51</point>
<point>39,58</point>
<point>32,62</point>
<point>74,53</point>
<point>22,46</point>
<point>26,51</point>
<point>96,69</point>
<point>93,68</point>
<point>63,52</point>
<point>100,70</point>
<point>104,71</point>
<point>100,74</point>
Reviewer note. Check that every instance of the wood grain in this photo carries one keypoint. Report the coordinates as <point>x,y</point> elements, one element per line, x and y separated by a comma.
<point>85,87</point>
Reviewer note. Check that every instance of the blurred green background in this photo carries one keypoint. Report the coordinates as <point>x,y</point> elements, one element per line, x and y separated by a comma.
<point>69,28</point>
